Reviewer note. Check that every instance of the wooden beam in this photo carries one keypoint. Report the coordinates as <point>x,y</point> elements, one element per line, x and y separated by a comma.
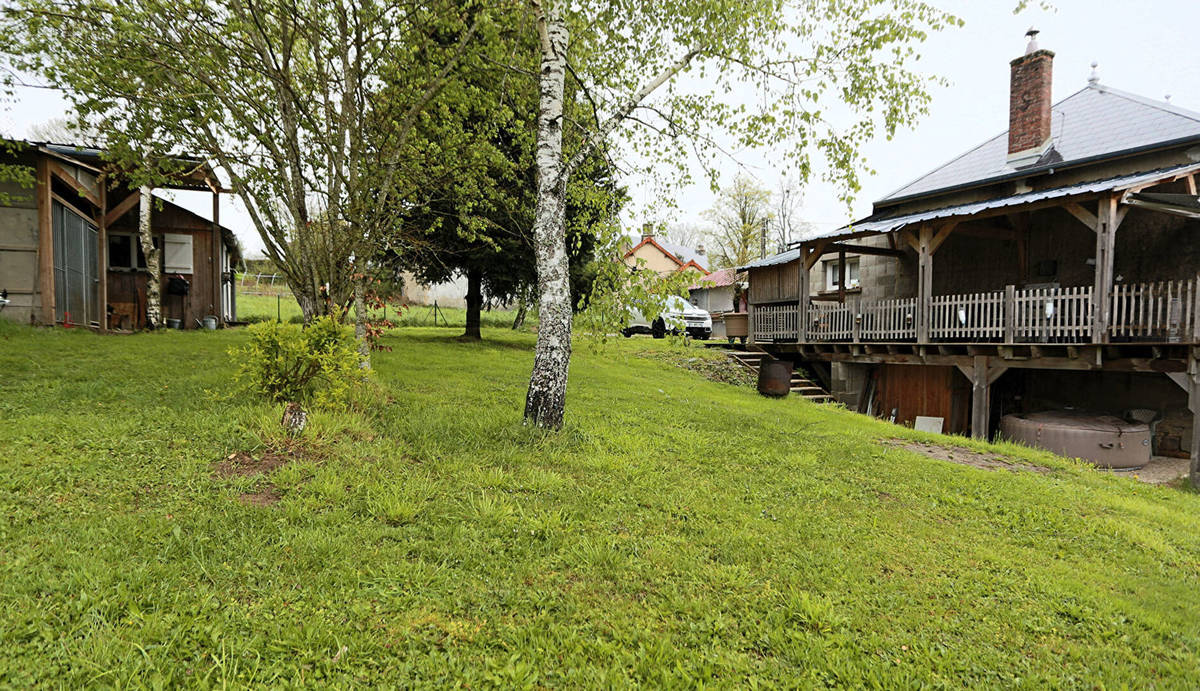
<point>1105,244</point>
<point>102,257</point>
<point>1194,405</point>
<point>911,240</point>
<point>864,249</point>
<point>121,209</point>
<point>842,276</point>
<point>76,185</point>
<point>74,209</point>
<point>217,244</point>
<point>941,234</point>
<point>804,288</point>
<point>1085,217</point>
<point>924,282</point>
<point>45,242</point>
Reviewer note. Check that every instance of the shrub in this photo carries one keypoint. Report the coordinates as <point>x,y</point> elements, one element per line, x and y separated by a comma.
<point>317,365</point>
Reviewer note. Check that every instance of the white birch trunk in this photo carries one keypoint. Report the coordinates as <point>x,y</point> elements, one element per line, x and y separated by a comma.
<point>548,384</point>
<point>154,316</point>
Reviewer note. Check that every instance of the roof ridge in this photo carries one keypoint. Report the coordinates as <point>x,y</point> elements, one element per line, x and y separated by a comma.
<point>1164,106</point>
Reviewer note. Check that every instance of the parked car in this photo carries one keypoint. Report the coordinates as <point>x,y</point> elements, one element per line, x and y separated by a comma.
<point>678,317</point>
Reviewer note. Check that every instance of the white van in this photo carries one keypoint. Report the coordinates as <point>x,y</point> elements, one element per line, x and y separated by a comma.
<point>679,316</point>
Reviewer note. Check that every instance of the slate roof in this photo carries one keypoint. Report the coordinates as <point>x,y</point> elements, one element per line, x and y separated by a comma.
<point>1094,123</point>
<point>684,254</point>
<point>885,223</point>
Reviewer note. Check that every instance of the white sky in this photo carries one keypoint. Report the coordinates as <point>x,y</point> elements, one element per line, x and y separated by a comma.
<point>1143,47</point>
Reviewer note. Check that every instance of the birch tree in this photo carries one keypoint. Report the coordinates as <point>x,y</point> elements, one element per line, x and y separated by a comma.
<point>665,77</point>
<point>154,314</point>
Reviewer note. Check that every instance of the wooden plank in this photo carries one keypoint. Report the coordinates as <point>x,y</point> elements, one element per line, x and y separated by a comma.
<point>942,233</point>
<point>1105,243</point>
<point>1085,217</point>
<point>1194,406</point>
<point>102,257</point>
<point>45,242</point>
<point>113,215</point>
<point>863,249</point>
<point>76,185</point>
<point>1010,313</point>
<point>924,283</point>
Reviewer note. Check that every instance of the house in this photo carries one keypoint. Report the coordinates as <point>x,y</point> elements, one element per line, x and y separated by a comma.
<point>720,292</point>
<point>1054,265</point>
<point>664,257</point>
<point>69,251</point>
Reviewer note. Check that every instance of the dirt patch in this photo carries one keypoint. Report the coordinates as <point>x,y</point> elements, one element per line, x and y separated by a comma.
<point>267,496</point>
<point>242,464</point>
<point>963,456</point>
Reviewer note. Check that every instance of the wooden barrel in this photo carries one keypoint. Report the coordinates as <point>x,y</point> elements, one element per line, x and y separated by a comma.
<point>774,377</point>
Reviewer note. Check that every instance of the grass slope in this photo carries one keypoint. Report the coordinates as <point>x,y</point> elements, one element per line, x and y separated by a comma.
<point>679,532</point>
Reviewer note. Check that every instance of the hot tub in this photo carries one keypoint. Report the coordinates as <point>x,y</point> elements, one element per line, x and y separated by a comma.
<point>1105,440</point>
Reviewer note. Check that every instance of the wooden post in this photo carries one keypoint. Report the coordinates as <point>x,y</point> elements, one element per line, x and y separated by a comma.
<point>45,251</point>
<point>856,320</point>
<point>1193,381</point>
<point>1106,232</point>
<point>924,282</point>
<point>842,276</point>
<point>102,255</point>
<point>803,289</point>
<point>981,403</point>
<point>1010,313</point>
<point>217,243</point>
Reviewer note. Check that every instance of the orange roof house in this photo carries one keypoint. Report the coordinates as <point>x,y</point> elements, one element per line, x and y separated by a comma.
<point>664,257</point>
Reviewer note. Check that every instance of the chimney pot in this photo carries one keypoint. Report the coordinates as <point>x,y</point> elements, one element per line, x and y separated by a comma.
<point>1029,104</point>
<point>647,231</point>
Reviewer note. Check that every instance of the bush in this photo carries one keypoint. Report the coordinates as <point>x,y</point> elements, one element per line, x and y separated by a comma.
<point>318,365</point>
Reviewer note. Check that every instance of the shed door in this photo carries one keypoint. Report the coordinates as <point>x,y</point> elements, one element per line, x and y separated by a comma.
<point>75,257</point>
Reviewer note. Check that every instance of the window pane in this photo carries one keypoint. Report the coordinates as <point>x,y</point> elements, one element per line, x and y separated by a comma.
<point>119,247</point>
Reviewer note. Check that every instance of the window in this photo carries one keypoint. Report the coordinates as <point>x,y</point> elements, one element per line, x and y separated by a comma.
<point>833,273</point>
<point>122,248</point>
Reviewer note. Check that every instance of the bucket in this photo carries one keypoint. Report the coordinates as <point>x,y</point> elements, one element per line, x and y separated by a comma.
<point>210,323</point>
<point>174,323</point>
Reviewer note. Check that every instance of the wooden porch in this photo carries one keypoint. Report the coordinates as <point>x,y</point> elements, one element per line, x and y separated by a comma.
<point>1155,312</point>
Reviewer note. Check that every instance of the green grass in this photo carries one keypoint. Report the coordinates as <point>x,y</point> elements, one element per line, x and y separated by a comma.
<point>678,532</point>
<point>254,308</point>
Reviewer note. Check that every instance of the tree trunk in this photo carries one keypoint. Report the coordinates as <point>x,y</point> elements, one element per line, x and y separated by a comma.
<point>474,303</point>
<point>522,307</point>
<point>154,316</point>
<point>360,326</point>
<point>548,384</point>
<point>310,305</point>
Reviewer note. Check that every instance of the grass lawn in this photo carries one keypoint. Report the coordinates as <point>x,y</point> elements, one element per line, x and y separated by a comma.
<point>253,308</point>
<point>678,532</point>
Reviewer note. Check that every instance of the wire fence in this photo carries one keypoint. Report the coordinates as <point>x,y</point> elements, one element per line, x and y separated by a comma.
<point>262,284</point>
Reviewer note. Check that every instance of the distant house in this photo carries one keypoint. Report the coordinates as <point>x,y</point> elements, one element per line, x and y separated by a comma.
<point>69,252</point>
<point>720,292</point>
<point>664,257</point>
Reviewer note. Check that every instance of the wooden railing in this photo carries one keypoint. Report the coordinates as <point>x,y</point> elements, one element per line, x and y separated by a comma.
<point>1052,315</point>
<point>1165,311</point>
<point>770,323</point>
<point>889,320</point>
<point>970,318</point>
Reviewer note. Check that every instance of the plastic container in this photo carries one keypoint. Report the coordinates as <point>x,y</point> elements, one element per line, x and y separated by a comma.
<point>1105,440</point>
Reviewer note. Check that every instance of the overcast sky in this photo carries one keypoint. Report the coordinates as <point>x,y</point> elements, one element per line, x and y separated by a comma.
<point>1147,48</point>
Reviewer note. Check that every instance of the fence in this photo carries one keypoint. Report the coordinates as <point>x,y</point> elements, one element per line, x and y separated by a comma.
<point>1163,311</point>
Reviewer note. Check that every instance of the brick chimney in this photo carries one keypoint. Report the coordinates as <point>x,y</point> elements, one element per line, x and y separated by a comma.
<point>1029,104</point>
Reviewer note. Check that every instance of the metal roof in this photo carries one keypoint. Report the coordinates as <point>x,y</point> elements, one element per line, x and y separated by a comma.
<point>881,223</point>
<point>1094,123</point>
